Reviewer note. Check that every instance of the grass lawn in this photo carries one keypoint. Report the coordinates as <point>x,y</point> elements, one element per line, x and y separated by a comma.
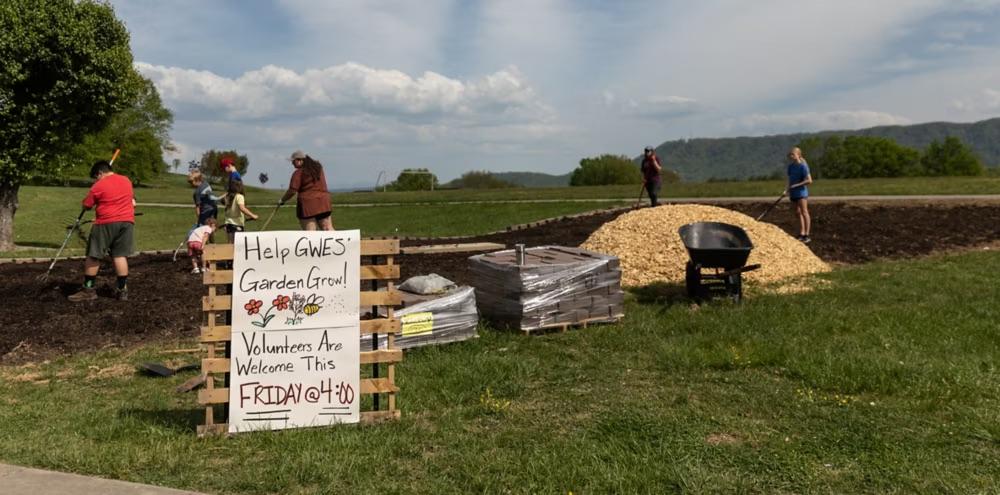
<point>885,380</point>
<point>173,189</point>
<point>46,211</point>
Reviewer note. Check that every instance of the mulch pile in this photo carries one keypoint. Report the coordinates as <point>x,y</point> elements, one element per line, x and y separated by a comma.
<point>651,251</point>
<point>37,322</point>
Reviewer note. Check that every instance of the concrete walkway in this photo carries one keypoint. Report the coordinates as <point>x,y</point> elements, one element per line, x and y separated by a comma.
<point>15,480</point>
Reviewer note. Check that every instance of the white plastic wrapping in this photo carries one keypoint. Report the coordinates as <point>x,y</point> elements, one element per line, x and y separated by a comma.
<point>556,286</point>
<point>450,318</point>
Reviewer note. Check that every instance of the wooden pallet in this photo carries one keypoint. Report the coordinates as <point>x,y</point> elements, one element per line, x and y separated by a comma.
<point>216,334</point>
<point>563,327</point>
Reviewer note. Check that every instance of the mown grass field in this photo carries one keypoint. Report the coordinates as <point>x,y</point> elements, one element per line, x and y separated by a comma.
<point>173,189</point>
<point>46,212</point>
<point>884,380</point>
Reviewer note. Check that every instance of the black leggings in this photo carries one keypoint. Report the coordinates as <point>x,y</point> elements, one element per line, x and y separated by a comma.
<point>653,188</point>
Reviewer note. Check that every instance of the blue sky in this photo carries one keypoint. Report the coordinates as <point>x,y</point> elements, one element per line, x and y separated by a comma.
<point>521,85</point>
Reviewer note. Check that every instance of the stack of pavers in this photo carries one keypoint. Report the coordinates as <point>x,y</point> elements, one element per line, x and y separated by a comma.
<point>555,287</point>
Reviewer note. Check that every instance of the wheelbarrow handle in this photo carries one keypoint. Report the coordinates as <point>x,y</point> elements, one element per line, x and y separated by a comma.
<point>742,269</point>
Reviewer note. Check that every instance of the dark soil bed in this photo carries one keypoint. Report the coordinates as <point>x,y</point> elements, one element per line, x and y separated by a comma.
<point>37,322</point>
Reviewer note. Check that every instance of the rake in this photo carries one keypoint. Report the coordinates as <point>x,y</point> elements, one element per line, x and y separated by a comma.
<point>271,216</point>
<point>183,241</point>
<point>43,277</point>
<point>769,208</point>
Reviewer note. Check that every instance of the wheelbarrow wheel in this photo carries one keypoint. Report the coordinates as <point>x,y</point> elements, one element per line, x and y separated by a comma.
<point>734,286</point>
<point>692,280</point>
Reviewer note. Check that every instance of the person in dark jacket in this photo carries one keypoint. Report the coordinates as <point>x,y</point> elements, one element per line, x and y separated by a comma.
<point>651,168</point>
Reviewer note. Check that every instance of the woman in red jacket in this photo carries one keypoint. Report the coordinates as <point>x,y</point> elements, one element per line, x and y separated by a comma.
<point>309,182</point>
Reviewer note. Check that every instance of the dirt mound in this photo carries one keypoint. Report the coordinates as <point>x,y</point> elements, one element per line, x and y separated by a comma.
<point>651,251</point>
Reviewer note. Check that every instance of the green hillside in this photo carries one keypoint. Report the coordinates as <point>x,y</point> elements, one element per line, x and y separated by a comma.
<point>742,157</point>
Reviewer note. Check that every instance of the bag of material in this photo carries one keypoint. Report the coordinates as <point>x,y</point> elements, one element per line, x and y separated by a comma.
<point>427,284</point>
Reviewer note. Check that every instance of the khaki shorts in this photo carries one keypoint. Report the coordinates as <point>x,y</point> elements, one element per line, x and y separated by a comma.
<point>115,238</point>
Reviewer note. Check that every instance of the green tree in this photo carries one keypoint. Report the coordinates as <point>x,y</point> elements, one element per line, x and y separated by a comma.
<point>65,70</point>
<point>839,157</point>
<point>210,160</point>
<point>951,157</point>
<point>141,131</point>
<point>606,170</point>
<point>414,179</point>
<point>480,180</point>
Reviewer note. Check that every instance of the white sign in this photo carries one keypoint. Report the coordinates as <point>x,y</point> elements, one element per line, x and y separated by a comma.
<point>294,359</point>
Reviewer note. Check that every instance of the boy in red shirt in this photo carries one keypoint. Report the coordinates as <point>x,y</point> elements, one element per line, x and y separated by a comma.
<point>113,231</point>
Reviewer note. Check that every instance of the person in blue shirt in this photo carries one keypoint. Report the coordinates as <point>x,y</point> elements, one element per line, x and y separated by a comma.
<point>229,165</point>
<point>798,191</point>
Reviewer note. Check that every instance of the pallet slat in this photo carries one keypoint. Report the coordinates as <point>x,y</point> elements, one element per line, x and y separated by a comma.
<point>368,272</point>
<point>378,386</point>
<point>372,417</point>
<point>214,396</point>
<point>369,247</point>
<point>224,333</point>
<point>216,334</point>
<point>381,325</point>
<point>215,365</point>
<point>368,386</point>
<point>379,247</point>
<point>367,298</point>
<point>381,298</point>
<point>382,356</point>
<point>367,418</point>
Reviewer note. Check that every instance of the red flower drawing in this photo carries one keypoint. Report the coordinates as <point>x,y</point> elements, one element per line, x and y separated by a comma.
<point>253,307</point>
<point>281,302</point>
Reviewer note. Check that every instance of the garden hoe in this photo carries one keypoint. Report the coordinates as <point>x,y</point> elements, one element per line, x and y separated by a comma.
<point>769,208</point>
<point>270,217</point>
<point>642,187</point>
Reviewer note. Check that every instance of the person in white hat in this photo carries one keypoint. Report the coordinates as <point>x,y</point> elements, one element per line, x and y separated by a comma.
<point>309,183</point>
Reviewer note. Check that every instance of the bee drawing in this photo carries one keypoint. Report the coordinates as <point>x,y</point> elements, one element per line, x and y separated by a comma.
<point>313,305</point>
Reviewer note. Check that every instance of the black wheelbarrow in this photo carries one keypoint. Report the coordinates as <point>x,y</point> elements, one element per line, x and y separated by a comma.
<point>718,253</point>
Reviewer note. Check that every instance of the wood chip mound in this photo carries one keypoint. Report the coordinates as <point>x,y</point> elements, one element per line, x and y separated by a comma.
<point>650,249</point>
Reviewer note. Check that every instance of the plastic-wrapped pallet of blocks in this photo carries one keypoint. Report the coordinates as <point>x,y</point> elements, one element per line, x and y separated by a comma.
<point>439,319</point>
<point>555,287</point>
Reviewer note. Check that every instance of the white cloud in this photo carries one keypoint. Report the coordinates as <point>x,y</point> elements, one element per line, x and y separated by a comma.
<point>273,92</point>
<point>811,121</point>
<point>653,106</point>
<point>988,100</point>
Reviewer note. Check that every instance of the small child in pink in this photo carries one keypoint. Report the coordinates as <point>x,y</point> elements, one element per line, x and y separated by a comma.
<point>196,244</point>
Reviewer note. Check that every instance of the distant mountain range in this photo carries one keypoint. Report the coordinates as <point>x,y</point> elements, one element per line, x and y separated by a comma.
<point>742,157</point>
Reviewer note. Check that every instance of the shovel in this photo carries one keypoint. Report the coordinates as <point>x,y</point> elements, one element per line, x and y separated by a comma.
<point>642,187</point>
<point>157,369</point>
<point>769,208</point>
